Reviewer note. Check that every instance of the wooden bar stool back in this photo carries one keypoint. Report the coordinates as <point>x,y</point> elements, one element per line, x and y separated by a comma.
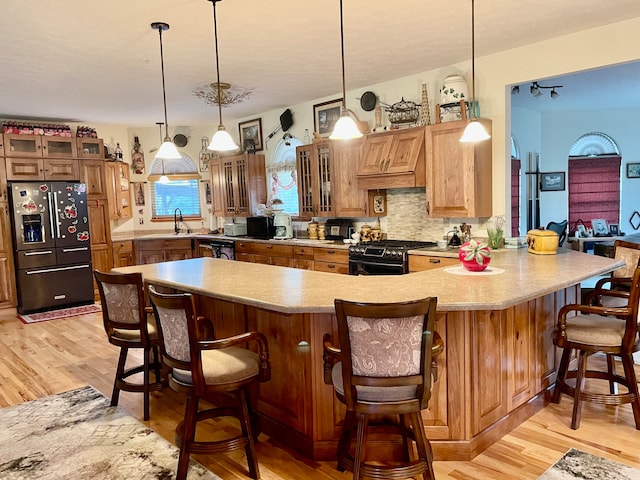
<point>129,324</point>
<point>219,371</point>
<point>384,368</point>
<point>589,329</point>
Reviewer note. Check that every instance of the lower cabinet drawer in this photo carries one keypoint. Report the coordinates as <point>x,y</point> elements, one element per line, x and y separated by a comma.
<point>418,263</point>
<point>331,267</point>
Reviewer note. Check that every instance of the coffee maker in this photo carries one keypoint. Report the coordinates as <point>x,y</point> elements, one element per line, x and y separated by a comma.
<point>282,224</point>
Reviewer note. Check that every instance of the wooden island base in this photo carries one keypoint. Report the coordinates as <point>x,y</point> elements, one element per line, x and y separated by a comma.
<point>493,374</point>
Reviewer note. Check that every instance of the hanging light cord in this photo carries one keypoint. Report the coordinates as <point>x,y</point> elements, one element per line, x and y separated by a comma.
<point>215,35</point>
<point>160,28</point>
<point>473,59</point>
<point>344,89</point>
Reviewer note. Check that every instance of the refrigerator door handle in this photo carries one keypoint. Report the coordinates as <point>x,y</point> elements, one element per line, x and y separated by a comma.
<point>60,269</point>
<point>41,252</point>
<point>52,212</point>
<point>78,249</point>
<point>55,209</point>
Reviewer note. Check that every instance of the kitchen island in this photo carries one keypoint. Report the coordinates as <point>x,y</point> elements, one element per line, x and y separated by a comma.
<point>498,362</point>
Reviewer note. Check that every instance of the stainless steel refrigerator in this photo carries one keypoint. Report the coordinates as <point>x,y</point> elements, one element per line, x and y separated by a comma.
<point>50,228</point>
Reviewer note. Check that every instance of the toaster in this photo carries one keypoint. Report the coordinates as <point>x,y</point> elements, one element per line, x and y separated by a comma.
<point>235,229</point>
<point>542,242</point>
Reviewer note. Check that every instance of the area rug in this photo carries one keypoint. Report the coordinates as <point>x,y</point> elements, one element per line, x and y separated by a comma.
<point>76,435</point>
<point>581,465</point>
<point>61,313</point>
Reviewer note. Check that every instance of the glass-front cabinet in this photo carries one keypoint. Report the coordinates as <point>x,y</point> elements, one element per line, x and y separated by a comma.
<point>90,147</point>
<point>39,146</point>
<point>315,174</point>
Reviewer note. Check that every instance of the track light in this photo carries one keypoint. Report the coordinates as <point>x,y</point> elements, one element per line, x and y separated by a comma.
<point>515,90</point>
<point>536,89</point>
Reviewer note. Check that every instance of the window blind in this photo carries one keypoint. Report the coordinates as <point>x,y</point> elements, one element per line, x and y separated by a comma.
<point>594,189</point>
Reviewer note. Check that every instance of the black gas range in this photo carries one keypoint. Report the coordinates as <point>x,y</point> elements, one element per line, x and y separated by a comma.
<point>386,257</point>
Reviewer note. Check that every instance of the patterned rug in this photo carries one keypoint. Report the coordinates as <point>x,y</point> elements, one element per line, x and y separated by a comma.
<point>61,313</point>
<point>581,465</point>
<point>76,435</point>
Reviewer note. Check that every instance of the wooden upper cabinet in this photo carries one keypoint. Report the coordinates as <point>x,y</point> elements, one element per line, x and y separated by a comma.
<point>394,159</point>
<point>92,173</point>
<point>350,201</point>
<point>217,191</point>
<point>316,172</point>
<point>23,145</point>
<point>375,154</point>
<point>118,190</point>
<point>90,147</point>
<point>39,146</point>
<point>4,195</point>
<point>28,169</point>
<point>243,184</point>
<point>458,175</point>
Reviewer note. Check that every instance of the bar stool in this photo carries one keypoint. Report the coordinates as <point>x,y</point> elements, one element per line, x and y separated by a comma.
<point>218,371</point>
<point>383,367</point>
<point>129,324</point>
<point>609,330</point>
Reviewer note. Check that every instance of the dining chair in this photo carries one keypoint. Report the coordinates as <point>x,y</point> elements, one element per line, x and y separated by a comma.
<point>383,367</point>
<point>219,371</point>
<point>129,324</point>
<point>561,229</point>
<point>591,329</point>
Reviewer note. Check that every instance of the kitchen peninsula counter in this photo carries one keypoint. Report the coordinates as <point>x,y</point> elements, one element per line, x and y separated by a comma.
<point>499,359</point>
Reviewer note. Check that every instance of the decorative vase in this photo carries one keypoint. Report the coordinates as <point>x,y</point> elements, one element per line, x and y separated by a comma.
<point>453,89</point>
<point>474,256</point>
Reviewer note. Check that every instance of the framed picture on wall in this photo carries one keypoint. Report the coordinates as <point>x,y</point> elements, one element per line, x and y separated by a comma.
<point>633,170</point>
<point>251,135</point>
<point>553,181</point>
<point>325,116</point>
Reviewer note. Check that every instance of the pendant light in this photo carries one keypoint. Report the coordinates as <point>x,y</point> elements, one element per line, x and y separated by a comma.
<point>475,131</point>
<point>345,128</point>
<point>221,140</point>
<point>167,150</point>
<point>163,178</point>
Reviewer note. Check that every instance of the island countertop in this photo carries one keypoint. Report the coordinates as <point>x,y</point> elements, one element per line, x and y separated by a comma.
<point>525,276</point>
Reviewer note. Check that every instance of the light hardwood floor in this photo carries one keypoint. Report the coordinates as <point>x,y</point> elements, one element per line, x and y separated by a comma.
<point>51,357</point>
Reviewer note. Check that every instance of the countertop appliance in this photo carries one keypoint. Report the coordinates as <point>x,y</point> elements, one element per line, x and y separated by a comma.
<point>260,227</point>
<point>387,257</point>
<point>282,224</point>
<point>338,229</point>
<point>50,229</point>
<point>218,249</point>
<point>235,229</point>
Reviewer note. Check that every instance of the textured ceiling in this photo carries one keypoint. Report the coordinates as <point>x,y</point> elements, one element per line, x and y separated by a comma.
<point>99,62</point>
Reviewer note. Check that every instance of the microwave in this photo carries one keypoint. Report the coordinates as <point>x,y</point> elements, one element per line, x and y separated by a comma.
<point>260,227</point>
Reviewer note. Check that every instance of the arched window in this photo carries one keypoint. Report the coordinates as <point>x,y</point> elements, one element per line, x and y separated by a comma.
<point>281,174</point>
<point>594,180</point>
<point>182,191</point>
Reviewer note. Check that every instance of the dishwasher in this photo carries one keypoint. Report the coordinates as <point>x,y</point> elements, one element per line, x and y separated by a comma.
<point>218,249</point>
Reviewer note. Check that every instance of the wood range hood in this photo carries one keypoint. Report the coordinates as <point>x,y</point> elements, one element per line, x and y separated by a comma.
<point>394,159</point>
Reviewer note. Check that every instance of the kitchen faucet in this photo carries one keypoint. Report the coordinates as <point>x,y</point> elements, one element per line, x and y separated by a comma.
<point>176,227</point>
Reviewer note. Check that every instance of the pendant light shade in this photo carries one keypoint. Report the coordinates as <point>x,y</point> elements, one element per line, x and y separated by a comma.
<point>475,131</point>
<point>167,150</point>
<point>345,128</point>
<point>221,140</point>
<point>163,178</point>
